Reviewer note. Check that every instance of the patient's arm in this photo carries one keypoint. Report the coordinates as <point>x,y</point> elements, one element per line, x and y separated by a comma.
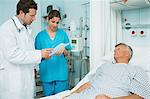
<point>125,97</point>
<point>83,87</point>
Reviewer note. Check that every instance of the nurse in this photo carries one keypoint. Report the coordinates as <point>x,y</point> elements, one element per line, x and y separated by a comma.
<point>53,71</point>
<point>18,56</point>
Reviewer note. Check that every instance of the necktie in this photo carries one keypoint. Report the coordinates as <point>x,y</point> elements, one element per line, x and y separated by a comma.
<point>25,26</point>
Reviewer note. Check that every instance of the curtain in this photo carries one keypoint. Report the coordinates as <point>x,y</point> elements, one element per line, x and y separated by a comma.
<point>105,31</point>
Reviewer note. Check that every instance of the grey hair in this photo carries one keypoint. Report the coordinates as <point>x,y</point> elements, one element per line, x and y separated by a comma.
<point>128,48</point>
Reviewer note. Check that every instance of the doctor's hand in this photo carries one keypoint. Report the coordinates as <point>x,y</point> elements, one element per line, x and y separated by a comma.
<point>46,53</point>
<point>102,96</point>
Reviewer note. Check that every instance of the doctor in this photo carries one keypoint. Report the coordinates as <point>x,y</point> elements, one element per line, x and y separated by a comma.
<point>18,56</point>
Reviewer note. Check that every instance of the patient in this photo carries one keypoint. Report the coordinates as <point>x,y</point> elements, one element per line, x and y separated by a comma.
<point>119,80</point>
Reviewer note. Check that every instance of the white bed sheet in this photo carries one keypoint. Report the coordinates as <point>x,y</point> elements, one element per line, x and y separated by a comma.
<point>58,96</point>
<point>141,58</point>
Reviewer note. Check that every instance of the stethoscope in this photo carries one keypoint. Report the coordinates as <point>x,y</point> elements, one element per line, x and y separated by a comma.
<point>19,30</point>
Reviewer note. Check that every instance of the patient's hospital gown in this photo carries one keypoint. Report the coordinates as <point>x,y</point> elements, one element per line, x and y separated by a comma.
<point>116,80</point>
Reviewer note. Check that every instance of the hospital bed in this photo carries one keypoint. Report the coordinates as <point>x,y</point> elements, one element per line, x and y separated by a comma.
<point>141,57</point>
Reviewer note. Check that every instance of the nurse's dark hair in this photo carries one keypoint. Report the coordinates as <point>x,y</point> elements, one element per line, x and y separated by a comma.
<point>25,5</point>
<point>128,48</point>
<point>54,13</point>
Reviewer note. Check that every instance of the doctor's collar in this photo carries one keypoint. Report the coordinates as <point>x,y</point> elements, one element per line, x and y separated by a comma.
<point>18,22</point>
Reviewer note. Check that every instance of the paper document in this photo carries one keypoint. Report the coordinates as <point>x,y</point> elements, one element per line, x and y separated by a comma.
<point>58,47</point>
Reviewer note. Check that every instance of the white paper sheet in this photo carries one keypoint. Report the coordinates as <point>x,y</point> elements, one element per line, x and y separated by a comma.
<point>58,47</point>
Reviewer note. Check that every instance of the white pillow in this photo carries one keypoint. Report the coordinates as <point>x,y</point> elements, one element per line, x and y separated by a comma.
<point>141,57</point>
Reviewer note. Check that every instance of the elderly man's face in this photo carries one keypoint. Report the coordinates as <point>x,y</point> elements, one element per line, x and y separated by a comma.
<point>120,52</point>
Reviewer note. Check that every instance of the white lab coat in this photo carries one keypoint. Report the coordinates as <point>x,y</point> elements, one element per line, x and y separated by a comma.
<point>18,59</point>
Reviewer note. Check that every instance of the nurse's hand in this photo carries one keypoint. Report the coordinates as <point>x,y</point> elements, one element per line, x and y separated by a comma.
<point>102,97</point>
<point>45,53</point>
<point>60,50</point>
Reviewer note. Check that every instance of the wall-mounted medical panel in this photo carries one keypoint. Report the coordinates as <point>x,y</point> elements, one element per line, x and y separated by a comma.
<point>136,26</point>
<point>144,16</point>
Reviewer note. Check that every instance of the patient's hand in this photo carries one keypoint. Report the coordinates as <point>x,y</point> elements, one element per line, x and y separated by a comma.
<point>102,97</point>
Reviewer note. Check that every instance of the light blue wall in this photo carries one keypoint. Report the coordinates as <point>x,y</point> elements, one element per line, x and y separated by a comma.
<point>7,9</point>
<point>135,17</point>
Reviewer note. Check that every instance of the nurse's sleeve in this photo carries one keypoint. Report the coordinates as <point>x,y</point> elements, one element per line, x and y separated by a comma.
<point>37,43</point>
<point>67,41</point>
<point>15,54</point>
<point>139,84</point>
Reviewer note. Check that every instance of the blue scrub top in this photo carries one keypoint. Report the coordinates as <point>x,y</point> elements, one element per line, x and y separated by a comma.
<point>55,68</point>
